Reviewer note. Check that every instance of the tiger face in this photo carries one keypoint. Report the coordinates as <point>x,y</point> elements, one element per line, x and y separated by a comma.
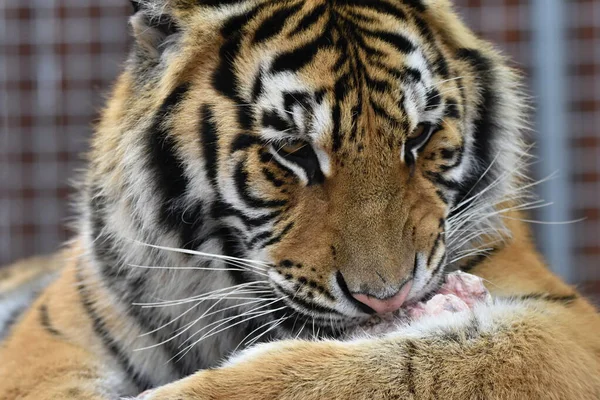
<point>332,141</point>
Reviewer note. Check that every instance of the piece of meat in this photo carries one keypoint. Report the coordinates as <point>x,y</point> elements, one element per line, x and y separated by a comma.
<point>460,292</point>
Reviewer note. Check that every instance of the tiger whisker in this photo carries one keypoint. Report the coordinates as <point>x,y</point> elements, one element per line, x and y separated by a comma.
<point>185,350</point>
<point>203,254</point>
<point>272,325</point>
<point>231,296</point>
<point>533,221</point>
<point>192,323</point>
<point>449,80</point>
<point>234,288</point>
<point>223,321</point>
<point>194,268</point>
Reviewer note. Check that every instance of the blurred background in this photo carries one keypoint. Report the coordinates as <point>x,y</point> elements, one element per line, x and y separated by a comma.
<point>58,59</point>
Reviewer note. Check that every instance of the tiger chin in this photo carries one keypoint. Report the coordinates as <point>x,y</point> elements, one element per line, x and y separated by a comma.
<point>267,175</point>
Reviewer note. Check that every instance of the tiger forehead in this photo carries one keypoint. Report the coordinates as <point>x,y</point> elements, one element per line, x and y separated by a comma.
<point>363,61</point>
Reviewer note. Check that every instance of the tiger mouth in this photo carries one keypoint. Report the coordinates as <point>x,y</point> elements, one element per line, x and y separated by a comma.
<point>298,314</point>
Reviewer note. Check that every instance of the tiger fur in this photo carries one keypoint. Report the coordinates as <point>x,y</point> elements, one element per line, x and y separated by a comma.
<point>282,168</point>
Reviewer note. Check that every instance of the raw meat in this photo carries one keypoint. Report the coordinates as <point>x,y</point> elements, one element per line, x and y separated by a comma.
<point>460,292</point>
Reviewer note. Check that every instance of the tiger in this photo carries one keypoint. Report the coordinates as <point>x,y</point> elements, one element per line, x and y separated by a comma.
<point>269,174</point>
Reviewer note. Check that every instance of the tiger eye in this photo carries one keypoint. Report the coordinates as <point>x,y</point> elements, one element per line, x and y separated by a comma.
<point>418,131</point>
<point>293,147</point>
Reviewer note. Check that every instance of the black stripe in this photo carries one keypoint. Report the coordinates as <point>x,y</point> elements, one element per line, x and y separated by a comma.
<point>241,180</point>
<point>309,19</point>
<point>306,158</point>
<point>439,179</point>
<point>418,5</point>
<point>270,176</point>
<point>341,282</point>
<point>396,40</point>
<point>257,238</point>
<point>245,115</point>
<point>554,298</point>
<point>221,209</point>
<point>278,238</point>
<point>442,196</point>
<point>270,119</point>
<point>381,112</point>
<point>232,247</point>
<point>450,154</point>
<point>371,51</point>
<point>165,163</point>
<point>410,369</point>
<point>243,142</point>
<point>104,246</point>
<point>434,99</point>
<point>485,126</point>
<point>441,65</point>
<point>478,259</point>
<point>412,74</point>
<point>378,85</point>
<point>210,144</point>
<point>298,58</point>
<point>217,3</point>
<point>257,87</point>
<point>438,239</point>
<point>357,17</point>
<point>452,110</point>
<point>237,23</point>
<point>309,305</point>
<point>337,129</point>
<point>171,180</point>
<point>292,98</point>
<point>312,306</point>
<point>274,23</point>
<point>46,323</point>
<point>192,220</point>
<point>224,79</point>
<point>267,158</point>
<point>438,267</point>
<point>379,6</point>
<point>99,326</point>
<point>424,28</point>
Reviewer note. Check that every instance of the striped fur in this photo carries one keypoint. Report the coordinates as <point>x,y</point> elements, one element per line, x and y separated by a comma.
<point>258,164</point>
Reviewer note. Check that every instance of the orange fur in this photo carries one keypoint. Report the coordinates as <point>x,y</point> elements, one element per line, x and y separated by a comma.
<point>367,219</point>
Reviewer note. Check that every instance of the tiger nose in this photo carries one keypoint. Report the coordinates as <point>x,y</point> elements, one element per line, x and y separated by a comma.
<point>390,304</point>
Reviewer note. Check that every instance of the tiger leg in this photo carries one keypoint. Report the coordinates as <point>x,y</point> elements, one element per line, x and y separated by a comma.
<point>510,350</point>
<point>538,340</point>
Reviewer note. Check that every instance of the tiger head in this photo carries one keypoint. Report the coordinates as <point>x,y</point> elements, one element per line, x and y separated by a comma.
<point>338,144</point>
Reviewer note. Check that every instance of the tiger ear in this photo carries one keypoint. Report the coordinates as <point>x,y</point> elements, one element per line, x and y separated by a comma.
<point>136,5</point>
<point>152,27</point>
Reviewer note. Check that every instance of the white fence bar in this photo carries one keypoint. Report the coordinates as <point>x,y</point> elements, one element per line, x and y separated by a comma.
<point>548,18</point>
